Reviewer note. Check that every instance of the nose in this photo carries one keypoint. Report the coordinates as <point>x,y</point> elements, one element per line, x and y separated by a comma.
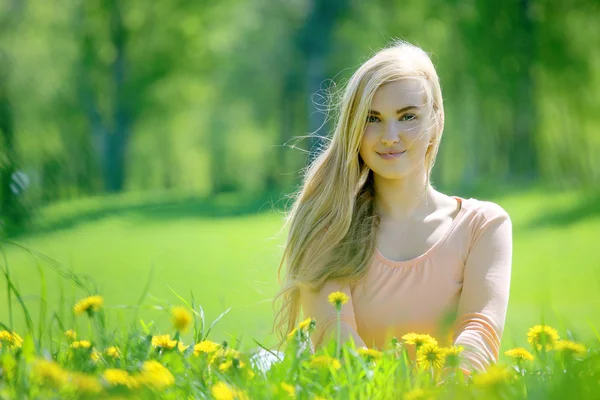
<point>390,136</point>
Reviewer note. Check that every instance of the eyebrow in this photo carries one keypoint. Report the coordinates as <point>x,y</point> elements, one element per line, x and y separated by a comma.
<point>397,111</point>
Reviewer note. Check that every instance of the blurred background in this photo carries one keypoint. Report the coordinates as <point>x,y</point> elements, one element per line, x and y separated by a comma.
<point>146,149</point>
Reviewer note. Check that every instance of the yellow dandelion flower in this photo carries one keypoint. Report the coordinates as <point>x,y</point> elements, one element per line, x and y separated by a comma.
<point>71,335</point>
<point>89,304</point>
<point>119,377</point>
<point>163,342</point>
<point>95,355</point>
<point>293,333</point>
<point>17,341</point>
<point>156,375</point>
<point>303,327</point>
<point>226,365</point>
<point>570,348</point>
<point>49,373</point>
<point>85,383</point>
<point>113,352</point>
<point>431,356</point>
<point>542,336</point>
<point>12,339</point>
<point>181,318</point>
<point>338,299</point>
<point>289,389</point>
<point>324,362</point>
<point>519,354</point>
<point>224,353</point>
<point>221,391</point>
<point>419,339</point>
<point>81,344</point>
<point>206,346</point>
<point>452,355</point>
<point>369,353</point>
<point>495,374</point>
<point>182,347</point>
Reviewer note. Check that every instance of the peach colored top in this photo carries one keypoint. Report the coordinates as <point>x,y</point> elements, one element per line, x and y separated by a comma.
<point>457,291</point>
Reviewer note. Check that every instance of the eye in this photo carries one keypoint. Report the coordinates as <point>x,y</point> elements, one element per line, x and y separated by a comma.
<point>372,118</point>
<point>408,117</point>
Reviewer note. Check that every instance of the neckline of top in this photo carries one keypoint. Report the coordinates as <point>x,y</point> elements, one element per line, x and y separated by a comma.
<point>457,218</point>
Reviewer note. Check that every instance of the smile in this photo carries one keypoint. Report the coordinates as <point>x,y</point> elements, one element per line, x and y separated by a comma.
<point>387,156</point>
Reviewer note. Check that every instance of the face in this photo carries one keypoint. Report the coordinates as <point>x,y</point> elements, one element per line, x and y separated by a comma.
<point>395,124</point>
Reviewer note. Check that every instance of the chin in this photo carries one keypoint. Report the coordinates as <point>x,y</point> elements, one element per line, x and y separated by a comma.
<point>390,175</point>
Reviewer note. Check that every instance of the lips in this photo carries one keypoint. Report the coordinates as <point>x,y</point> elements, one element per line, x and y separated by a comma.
<point>391,155</point>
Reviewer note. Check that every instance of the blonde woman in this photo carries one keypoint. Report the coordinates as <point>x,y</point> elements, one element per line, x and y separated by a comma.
<point>368,222</point>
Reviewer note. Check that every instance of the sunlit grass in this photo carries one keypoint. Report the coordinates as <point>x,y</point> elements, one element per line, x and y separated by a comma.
<point>231,262</point>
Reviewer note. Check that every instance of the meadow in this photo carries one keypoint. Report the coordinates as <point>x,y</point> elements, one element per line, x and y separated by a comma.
<point>145,256</point>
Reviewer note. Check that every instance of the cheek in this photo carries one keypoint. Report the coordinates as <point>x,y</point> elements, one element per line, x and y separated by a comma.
<point>369,137</point>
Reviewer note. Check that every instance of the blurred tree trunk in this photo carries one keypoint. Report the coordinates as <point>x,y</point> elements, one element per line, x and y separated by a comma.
<point>523,160</point>
<point>219,156</point>
<point>316,37</point>
<point>117,140</point>
<point>12,211</point>
<point>110,134</point>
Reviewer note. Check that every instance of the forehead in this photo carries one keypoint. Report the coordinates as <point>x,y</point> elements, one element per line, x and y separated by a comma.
<point>398,94</point>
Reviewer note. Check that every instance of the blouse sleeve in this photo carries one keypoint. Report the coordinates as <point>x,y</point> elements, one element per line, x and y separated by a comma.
<point>316,306</point>
<point>484,300</point>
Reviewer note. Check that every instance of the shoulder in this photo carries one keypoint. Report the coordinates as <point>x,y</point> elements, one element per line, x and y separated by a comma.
<point>486,210</point>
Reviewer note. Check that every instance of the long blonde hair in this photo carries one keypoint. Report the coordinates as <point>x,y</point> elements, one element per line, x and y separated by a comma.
<point>332,222</point>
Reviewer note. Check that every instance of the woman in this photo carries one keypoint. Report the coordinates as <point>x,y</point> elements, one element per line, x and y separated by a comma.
<point>368,222</point>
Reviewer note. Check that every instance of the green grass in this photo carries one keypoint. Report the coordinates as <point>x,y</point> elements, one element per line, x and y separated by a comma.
<point>231,260</point>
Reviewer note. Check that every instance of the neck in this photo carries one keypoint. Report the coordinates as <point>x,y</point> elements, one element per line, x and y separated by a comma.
<point>402,199</point>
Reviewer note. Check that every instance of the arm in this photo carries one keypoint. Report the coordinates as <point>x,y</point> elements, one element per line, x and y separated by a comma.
<point>484,299</point>
<point>316,306</point>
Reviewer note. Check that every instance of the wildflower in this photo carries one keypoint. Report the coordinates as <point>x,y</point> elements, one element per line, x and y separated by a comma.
<point>452,355</point>
<point>163,342</point>
<point>49,373</point>
<point>12,339</point>
<point>206,346</point>
<point>371,354</point>
<point>119,377</point>
<point>305,326</point>
<point>181,347</point>
<point>418,339</point>
<point>86,383</point>
<point>289,389</point>
<point>182,318</point>
<point>224,367</point>
<point>89,305</point>
<point>431,356</point>
<point>542,336</point>
<point>71,335</point>
<point>325,361</point>
<point>156,375</point>
<point>95,355</point>
<point>113,352</point>
<point>221,391</point>
<point>224,353</point>
<point>519,354</point>
<point>81,344</point>
<point>338,299</point>
<point>570,348</point>
<point>495,375</point>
